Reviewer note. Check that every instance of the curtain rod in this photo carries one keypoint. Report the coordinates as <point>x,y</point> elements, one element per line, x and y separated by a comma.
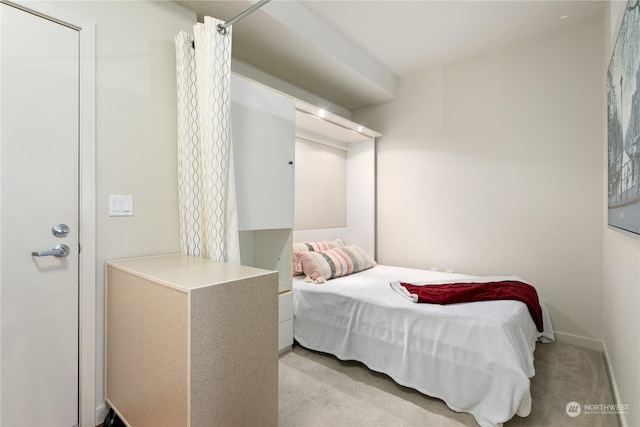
<point>222,28</point>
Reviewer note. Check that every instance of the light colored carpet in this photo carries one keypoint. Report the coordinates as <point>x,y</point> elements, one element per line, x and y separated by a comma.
<point>317,389</point>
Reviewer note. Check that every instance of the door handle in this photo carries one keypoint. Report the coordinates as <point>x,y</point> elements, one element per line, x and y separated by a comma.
<point>57,251</point>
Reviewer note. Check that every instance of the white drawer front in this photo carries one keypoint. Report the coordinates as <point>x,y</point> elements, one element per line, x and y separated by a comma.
<point>285,306</point>
<point>285,335</point>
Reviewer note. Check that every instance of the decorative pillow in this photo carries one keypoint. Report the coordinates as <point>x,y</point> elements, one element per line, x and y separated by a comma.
<point>296,268</point>
<point>326,265</point>
<point>319,246</point>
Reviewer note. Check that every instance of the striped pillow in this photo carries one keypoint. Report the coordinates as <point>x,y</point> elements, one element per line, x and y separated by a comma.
<point>326,265</point>
<point>319,246</point>
<point>296,267</point>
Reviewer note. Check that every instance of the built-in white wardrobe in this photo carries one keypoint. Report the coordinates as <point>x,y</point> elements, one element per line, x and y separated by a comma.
<point>267,128</point>
<point>263,133</point>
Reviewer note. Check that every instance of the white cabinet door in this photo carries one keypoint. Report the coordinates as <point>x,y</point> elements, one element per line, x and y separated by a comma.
<point>263,134</point>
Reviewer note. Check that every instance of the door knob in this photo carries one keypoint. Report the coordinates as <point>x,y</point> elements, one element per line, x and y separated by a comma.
<point>57,251</point>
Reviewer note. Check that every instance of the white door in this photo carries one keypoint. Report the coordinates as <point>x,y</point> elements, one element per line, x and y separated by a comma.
<point>39,140</point>
<point>263,133</point>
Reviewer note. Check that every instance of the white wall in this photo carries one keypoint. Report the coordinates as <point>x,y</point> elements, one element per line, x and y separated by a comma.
<point>621,293</point>
<point>321,192</point>
<point>136,132</point>
<point>494,166</point>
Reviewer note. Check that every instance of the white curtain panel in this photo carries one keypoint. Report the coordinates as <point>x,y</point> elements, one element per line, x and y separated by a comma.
<point>206,189</point>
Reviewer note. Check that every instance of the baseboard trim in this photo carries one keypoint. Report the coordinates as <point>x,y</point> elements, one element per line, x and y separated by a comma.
<point>284,350</point>
<point>101,412</point>
<point>585,342</point>
<point>622,418</point>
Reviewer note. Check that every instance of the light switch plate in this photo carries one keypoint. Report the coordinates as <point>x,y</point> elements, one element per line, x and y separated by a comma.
<point>120,205</point>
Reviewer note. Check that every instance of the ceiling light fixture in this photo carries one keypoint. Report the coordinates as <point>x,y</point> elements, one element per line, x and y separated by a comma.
<point>563,17</point>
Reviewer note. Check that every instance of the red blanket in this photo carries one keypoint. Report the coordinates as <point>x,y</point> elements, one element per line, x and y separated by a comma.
<point>469,292</point>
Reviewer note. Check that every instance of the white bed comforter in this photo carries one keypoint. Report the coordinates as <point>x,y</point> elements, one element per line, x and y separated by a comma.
<point>477,357</point>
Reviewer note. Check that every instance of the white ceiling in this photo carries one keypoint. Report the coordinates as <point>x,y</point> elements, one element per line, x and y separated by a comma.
<point>353,52</point>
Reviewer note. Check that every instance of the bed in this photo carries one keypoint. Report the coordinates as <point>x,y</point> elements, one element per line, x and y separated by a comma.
<point>476,357</point>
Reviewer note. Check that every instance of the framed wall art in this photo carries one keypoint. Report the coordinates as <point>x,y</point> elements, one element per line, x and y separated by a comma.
<point>623,107</point>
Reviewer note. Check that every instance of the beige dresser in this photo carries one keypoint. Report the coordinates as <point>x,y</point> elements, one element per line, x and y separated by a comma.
<point>191,342</point>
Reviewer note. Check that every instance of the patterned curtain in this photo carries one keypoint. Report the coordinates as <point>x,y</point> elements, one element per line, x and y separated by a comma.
<point>206,191</point>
